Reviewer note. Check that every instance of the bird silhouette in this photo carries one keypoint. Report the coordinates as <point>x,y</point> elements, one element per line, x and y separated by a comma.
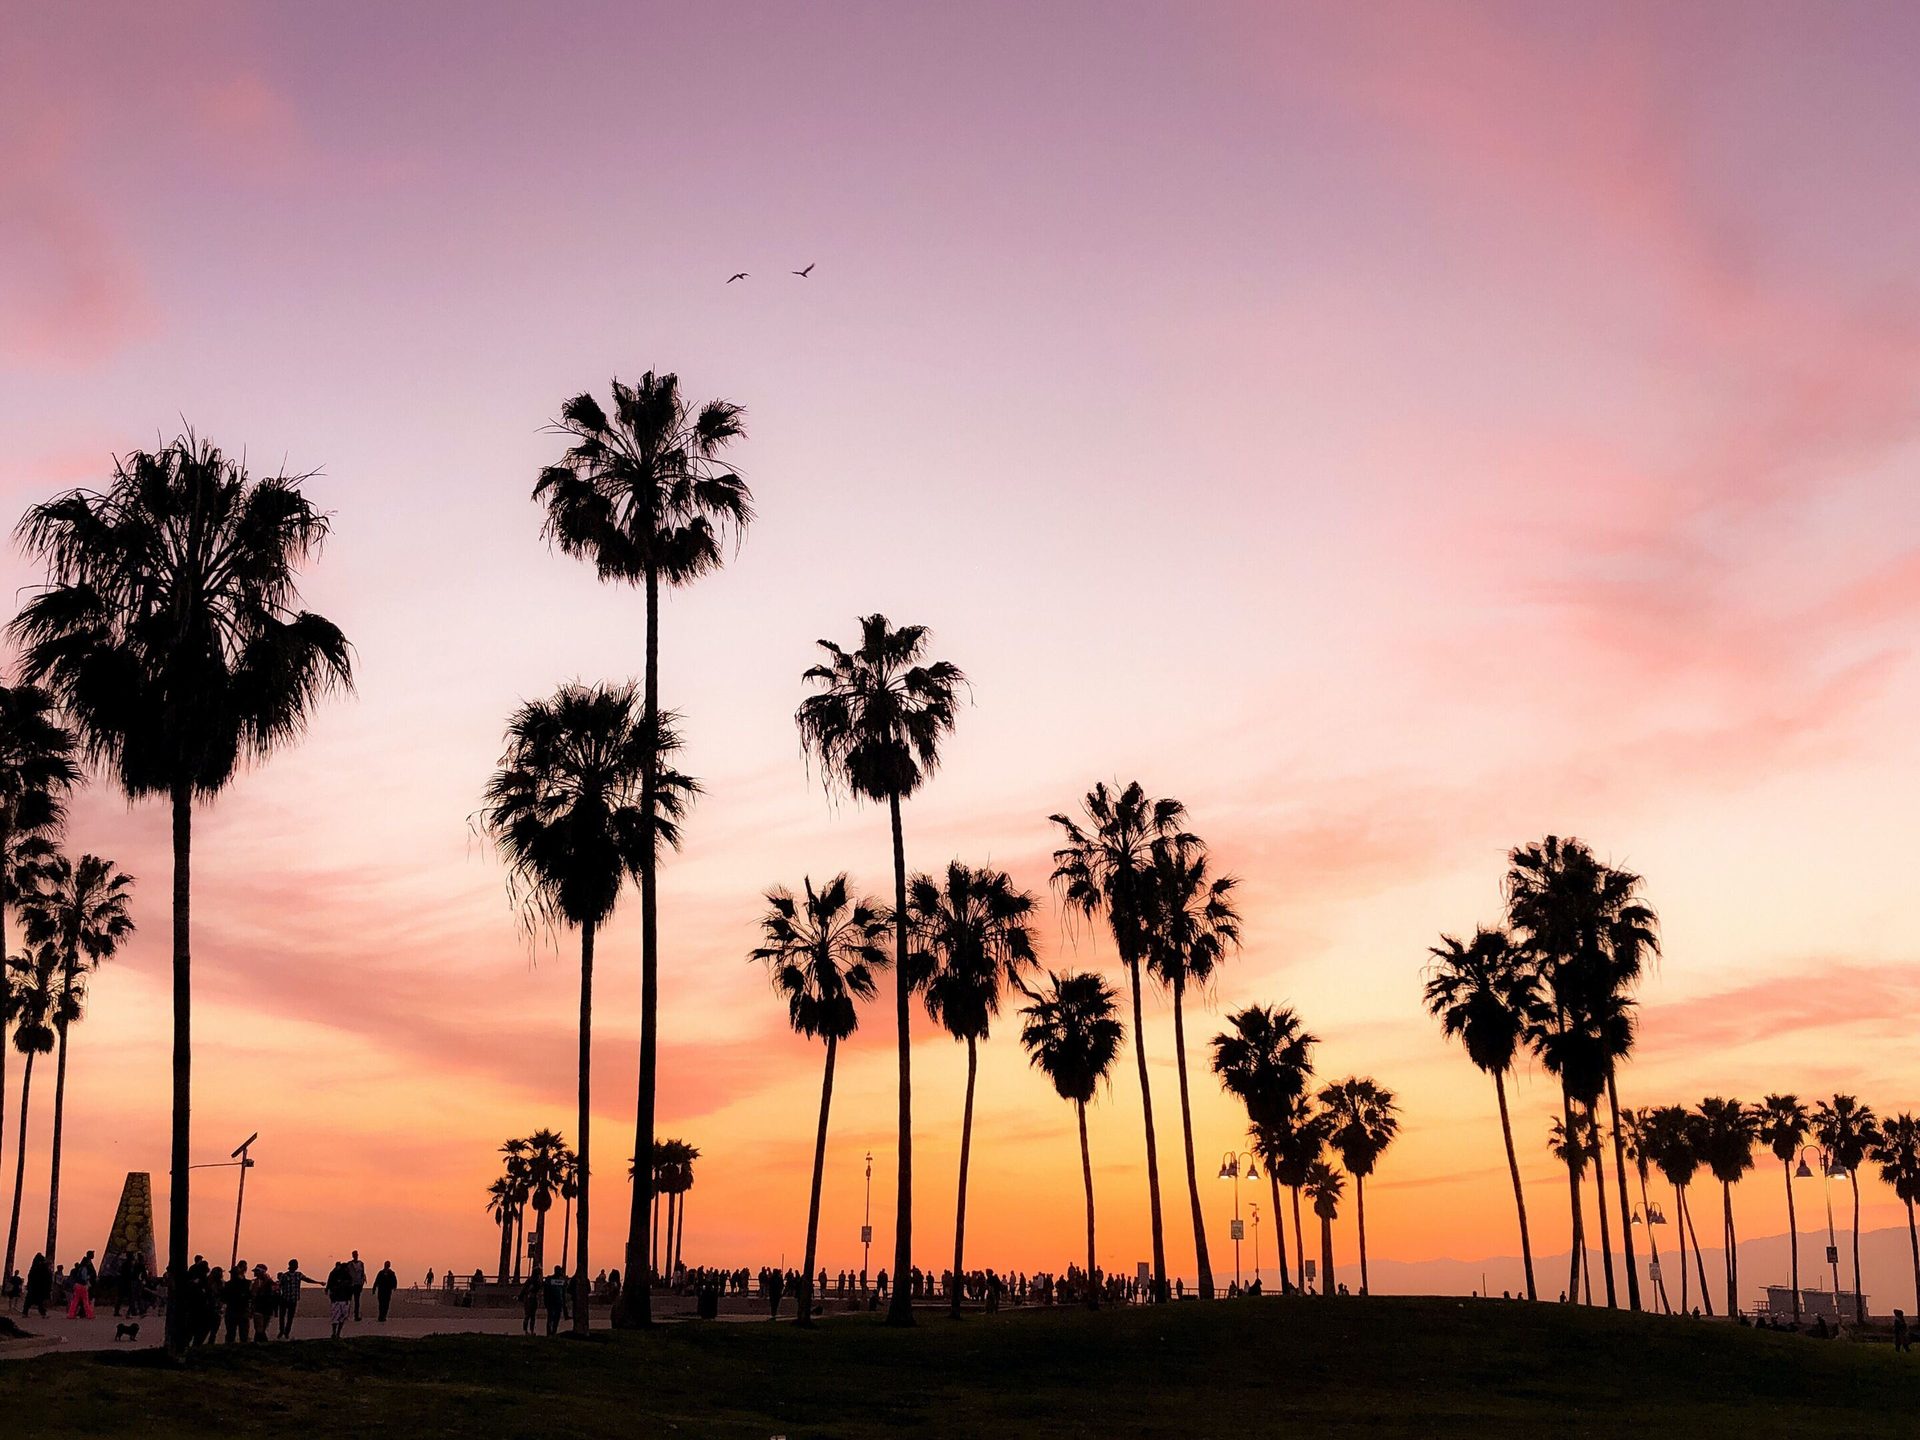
<point>741,276</point>
<point>806,272</point>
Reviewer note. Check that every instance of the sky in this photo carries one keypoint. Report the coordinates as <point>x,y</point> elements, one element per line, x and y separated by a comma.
<point>1400,432</point>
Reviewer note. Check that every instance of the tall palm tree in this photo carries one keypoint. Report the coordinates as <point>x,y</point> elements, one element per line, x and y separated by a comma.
<point>514,1160</point>
<point>1847,1130</point>
<point>170,635</point>
<point>1590,931</point>
<point>1896,1149</point>
<point>42,1005</point>
<point>1783,1130</point>
<point>1728,1133</point>
<point>1291,1147</point>
<point>1673,1136</point>
<point>1486,994</point>
<point>542,1168</point>
<point>503,1204</point>
<point>1071,1035</point>
<point>645,494</point>
<point>37,771</point>
<point>971,940</point>
<point>680,1180</point>
<point>874,723</point>
<point>822,950</point>
<point>1364,1121</point>
<point>1194,927</point>
<point>565,811</point>
<point>1104,866</point>
<point>568,1167</point>
<point>1324,1186</point>
<point>82,914</point>
<point>1640,1140</point>
<point>1265,1060</point>
<point>1577,1146</point>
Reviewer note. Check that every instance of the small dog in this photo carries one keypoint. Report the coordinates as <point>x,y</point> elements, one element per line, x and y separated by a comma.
<point>130,1330</point>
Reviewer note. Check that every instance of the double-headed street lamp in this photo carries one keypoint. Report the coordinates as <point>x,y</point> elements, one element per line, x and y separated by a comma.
<point>1829,1172</point>
<point>1230,1170</point>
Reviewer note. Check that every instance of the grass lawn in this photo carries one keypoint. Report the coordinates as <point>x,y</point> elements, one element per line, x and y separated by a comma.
<point>1305,1367</point>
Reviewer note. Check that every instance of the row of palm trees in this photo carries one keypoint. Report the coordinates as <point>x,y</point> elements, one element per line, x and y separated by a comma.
<point>73,914</point>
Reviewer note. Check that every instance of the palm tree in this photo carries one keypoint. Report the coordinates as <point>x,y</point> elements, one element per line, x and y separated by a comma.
<point>1486,994</point>
<point>41,1005</point>
<point>1673,1136</point>
<point>1364,1121</point>
<point>1586,927</point>
<point>1264,1060</point>
<point>1640,1139</point>
<point>514,1159</point>
<point>1847,1130</point>
<point>822,952</point>
<point>568,1168</point>
<point>1728,1132</point>
<point>82,915</point>
<point>1105,867</point>
<point>37,771</point>
<point>565,811</point>
<point>1577,1146</point>
<point>971,935</point>
<point>680,1179</point>
<point>875,724</point>
<point>504,1205</point>
<point>1071,1035</point>
<point>1783,1129</point>
<point>645,495</point>
<point>1324,1186</point>
<point>1194,926</point>
<point>1291,1147</point>
<point>1896,1148</point>
<point>170,635</point>
<point>542,1169</point>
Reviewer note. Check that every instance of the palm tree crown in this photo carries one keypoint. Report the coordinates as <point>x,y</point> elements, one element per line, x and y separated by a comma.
<point>880,711</point>
<point>1071,1034</point>
<point>1265,1060</point>
<point>37,768</point>
<point>971,939</point>
<point>822,949</point>
<point>1486,994</point>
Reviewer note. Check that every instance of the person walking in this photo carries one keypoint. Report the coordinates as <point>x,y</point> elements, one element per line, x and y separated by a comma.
<point>265,1296</point>
<point>359,1271</point>
<point>384,1284</point>
<point>236,1302</point>
<point>555,1290</point>
<point>291,1279</point>
<point>530,1301</point>
<point>39,1286</point>
<point>80,1289</point>
<point>340,1293</point>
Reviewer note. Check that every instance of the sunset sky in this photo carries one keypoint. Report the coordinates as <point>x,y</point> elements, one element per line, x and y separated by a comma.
<point>1399,431</point>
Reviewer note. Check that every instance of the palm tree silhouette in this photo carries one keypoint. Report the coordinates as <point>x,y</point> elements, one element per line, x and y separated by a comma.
<point>1586,927</point>
<point>644,494</point>
<point>503,1203</point>
<point>169,633</point>
<point>1783,1129</point>
<point>565,811</point>
<point>971,938</point>
<point>1486,994</point>
<point>1896,1149</point>
<point>1071,1035</point>
<point>82,914</point>
<point>1363,1120</point>
<point>677,1175</point>
<point>875,724</point>
<point>1324,1186</point>
<point>1847,1130</point>
<point>1577,1146</point>
<point>1728,1133</point>
<point>1674,1139</point>
<point>542,1169</point>
<point>42,1005</point>
<point>1639,1151</point>
<point>1194,927</point>
<point>37,771</point>
<point>1105,867</point>
<point>567,1184</point>
<point>1264,1060</point>
<point>822,952</point>
<point>1291,1147</point>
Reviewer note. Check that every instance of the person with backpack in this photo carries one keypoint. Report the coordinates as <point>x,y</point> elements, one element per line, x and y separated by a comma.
<point>80,1289</point>
<point>556,1296</point>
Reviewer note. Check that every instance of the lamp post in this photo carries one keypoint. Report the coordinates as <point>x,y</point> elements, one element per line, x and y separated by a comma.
<point>1230,1170</point>
<point>1652,1216</point>
<point>243,1162</point>
<point>1828,1172</point>
<point>1254,1206</point>
<point>866,1227</point>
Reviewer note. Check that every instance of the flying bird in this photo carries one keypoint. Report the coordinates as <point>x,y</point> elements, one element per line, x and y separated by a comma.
<point>806,272</point>
<point>741,276</point>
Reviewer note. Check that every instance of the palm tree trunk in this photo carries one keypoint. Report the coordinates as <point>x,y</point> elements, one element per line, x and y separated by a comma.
<point>1733,1252</point>
<point>1573,1193</point>
<point>1360,1213</point>
<point>1201,1259</point>
<point>1153,1151</point>
<point>1859,1300</point>
<point>636,1301</point>
<point>20,1165</point>
<point>582,1294</point>
<point>1600,1204</point>
<point>566,1231</point>
<point>663,1261</point>
<point>1299,1238</point>
<point>1626,1206</point>
<point>1793,1238</point>
<point>655,1249</point>
<point>6,849</point>
<point>506,1241</point>
<point>805,1297</point>
<point>179,1244</point>
<point>1680,1229</point>
<point>960,1205</point>
<point>1913,1241</point>
<point>53,1173</point>
<point>1699,1262</point>
<point>1086,1177</point>
<point>1519,1195</point>
<point>540,1237</point>
<point>1279,1230</point>
<point>900,1308</point>
<point>1326,1257</point>
<point>680,1230</point>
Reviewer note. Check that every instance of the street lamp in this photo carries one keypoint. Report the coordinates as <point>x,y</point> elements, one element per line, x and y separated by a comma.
<point>866,1227</point>
<point>243,1162</point>
<point>1652,1216</point>
<point>1230,1170</point>
<point>1254,1206</point>
<point>1829,1173</point>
